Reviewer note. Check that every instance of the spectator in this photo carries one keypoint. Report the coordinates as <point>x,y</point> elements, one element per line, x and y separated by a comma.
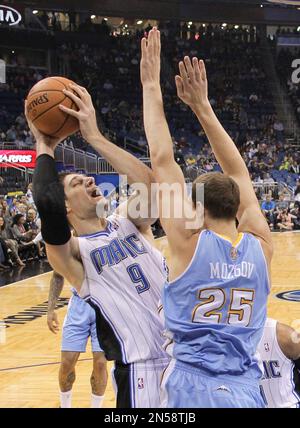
<point>268,179</point>
<point>32,223</point>
<point>278,128</point>
<point>281,204</point>
<point>285,220</point>
<point>285,166</point>
<point>11,243</point>
<point>268,207</point>
<point>29,194</point>
<point>296,213</point>
<point>4,260</point>
<point>19,232</point>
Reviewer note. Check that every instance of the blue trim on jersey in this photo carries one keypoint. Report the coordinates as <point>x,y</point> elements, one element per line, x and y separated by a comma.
<point>112,327</point>
<point>105,232</point>
<point>132,385</point>
<point>293,383</point>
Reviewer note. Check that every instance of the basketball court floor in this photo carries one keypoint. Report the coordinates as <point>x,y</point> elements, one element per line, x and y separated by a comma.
<point>30,353</point>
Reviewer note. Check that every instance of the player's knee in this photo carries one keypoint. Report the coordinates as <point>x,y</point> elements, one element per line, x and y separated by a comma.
<point>99,364</point>
<point>68,363</point>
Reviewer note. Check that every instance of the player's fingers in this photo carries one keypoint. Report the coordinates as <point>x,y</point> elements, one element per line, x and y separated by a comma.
<point>80,90</point>
<point>179,86</point>
<point>70,111</point>
<point>144,46</point>
<point>189,68</point>
<point>86,93</point>
<point>196,69</point>
<point>155,40</point>
<point>50,327</point>
<point>151,42</point>
<point>80,104</point>
<point>25,108</point>
<point>158,42</point>
<point>183,73</point>
<point>202,69</point>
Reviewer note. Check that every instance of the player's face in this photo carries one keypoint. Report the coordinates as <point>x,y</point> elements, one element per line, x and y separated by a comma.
<point>82,194</point>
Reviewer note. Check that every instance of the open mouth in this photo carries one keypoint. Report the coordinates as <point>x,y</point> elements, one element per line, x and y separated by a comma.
<point>95,193</point>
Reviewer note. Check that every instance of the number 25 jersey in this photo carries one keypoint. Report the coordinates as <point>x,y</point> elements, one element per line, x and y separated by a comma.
<point>215,311</point>
<point>124,277</point>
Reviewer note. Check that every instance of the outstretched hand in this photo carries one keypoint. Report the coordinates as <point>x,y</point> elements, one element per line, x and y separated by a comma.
<point>191,85</point>
<point>150,62</point>
<point>86,114</point>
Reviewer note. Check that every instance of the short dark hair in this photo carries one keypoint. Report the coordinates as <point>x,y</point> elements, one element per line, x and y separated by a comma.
<point>221,195</point>
<point>16,218</point>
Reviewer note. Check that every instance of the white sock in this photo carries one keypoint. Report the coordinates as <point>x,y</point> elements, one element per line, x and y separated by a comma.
<point>66,399</point>
<point>96,401</point>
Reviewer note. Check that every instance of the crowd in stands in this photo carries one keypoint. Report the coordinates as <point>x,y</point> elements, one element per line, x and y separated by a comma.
<point>238,92</point>
<point>282,214</point>
<point>20,237</point>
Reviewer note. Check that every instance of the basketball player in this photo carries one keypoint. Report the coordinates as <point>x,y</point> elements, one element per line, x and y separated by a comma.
<point>279,352</point>
<point>112,263</point>
<point>79,325</point>
<point>215,303</point>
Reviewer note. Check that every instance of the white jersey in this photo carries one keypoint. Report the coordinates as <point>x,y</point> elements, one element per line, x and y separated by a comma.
<point>279,383</point>
<point>124,275</point>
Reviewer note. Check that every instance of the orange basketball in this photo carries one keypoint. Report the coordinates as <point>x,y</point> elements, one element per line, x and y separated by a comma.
<point>43,107</point>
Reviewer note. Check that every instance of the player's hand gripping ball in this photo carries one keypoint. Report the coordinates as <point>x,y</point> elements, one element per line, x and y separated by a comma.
<point>42,107</point>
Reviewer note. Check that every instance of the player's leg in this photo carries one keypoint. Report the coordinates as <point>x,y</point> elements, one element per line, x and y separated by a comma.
<point>99,374</point>
<point>138,384</point>
<point>75,335</point>
<point>147,382</point>
<point>98,379</point>
<point>67,377</point>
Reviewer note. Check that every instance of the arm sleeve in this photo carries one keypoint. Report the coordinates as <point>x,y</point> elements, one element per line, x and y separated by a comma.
<point>49,198</point>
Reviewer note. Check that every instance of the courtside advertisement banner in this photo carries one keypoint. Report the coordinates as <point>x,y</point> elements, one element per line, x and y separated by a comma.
<point>15,158</point>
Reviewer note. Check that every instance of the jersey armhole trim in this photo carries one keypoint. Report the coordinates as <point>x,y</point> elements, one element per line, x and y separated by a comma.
<point>191,262</point>
<point>266,264</point>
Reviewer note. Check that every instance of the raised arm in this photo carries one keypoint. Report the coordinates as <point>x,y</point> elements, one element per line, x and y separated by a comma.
<point>62,248</point>
<point>56,286</point>
<point>166,171</point>
<point>192,89</point>
<point>123,162</point>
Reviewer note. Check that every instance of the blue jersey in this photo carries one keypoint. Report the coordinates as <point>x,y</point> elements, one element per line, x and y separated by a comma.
<point>216,310</point>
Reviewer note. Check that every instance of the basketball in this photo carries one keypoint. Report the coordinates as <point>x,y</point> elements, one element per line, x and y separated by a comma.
<point>43,109</point>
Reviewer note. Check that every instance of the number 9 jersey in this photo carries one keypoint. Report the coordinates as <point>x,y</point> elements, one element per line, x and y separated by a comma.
<point>124,277</point>
<point>216,310</point>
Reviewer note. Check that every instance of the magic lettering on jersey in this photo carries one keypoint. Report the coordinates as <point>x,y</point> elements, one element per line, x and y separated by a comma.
<point>271,369</point>
<point>117,250</point>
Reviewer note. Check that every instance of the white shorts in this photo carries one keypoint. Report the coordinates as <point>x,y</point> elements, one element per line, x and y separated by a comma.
<point>137,385</point>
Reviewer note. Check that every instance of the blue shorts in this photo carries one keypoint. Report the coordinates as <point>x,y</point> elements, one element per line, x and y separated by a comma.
<point>79,325</point>
<point>184,386</point>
